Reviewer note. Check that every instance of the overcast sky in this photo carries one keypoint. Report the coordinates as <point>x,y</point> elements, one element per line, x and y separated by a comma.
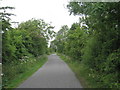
<point>54,11</point>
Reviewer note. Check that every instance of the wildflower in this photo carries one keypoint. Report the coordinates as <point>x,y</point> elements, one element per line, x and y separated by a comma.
<point>26,56</point>
<point>1,74</point>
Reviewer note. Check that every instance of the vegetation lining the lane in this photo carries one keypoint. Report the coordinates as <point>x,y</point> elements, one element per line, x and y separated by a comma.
<point>86,77</point>
<point>16,74</point>
<point>79,70</point>
<point>95,43</point>
<point>22,46</point>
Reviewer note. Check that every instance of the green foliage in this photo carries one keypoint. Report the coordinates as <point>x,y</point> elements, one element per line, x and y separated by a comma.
<point>79,69</point>
<point>60,38</point>
<point>70,41</point>
<point>21,46</point>
<point>75,43</point>
<point>38,27</point>
<point>26,39</point>
<point>96,44</point>
<point>14,73</point>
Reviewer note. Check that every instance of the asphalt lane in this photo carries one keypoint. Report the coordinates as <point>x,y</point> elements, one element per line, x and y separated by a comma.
<point>55,73</point>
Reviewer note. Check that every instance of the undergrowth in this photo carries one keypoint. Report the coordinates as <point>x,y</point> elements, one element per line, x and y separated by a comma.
<point>15,73</point>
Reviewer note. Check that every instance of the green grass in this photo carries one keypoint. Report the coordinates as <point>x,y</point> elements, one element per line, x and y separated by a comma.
<point>87,77</point>
<point>22,71</point>
<point>78,69</point>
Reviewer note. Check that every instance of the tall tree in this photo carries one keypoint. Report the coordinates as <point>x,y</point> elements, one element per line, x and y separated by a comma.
<point>97,43</point>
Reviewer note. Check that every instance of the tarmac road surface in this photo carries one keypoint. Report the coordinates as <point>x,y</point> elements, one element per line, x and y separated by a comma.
<point>55,73</point>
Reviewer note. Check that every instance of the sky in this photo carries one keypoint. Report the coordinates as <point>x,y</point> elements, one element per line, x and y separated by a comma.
<point>51,11</point>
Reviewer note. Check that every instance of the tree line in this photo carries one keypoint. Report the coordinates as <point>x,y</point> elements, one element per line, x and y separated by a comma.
<point>29,38</point>
<point>23,45</point>
<point>95,43</point>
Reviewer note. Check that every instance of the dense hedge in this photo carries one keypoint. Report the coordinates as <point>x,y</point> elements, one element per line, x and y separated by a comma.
<point>97,43</point>
<point>28,39</point>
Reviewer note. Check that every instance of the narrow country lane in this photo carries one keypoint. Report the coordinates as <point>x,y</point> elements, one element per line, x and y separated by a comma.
<point>55,73</point>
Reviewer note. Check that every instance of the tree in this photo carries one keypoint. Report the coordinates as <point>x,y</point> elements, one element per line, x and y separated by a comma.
<point>102,20</point>
<point>5,17</point>
<point>4,24</point>
<point>58,43</point>
<point>29,38</point>
<point>96,44</point>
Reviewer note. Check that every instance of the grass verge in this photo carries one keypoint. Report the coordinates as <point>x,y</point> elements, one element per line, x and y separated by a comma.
<point>78,69</point>
<point>22,71</point>
<point>87,77</point>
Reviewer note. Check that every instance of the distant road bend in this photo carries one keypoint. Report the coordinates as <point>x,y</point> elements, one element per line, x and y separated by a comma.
<point>55,73</point>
